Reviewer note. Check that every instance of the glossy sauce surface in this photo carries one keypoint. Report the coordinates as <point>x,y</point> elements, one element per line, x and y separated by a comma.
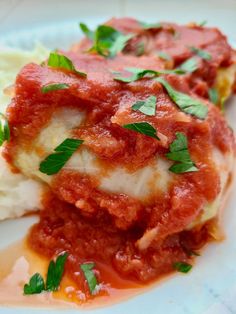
<point>23,262</point>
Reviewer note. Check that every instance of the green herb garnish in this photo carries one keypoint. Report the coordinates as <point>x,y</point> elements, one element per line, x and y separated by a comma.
<point>186,103</point>
<point>141,73</point>
<point>201,53</point>
<point>143,128</point>
<point>180,154</point>
<point>35,286</point>
<point>55,271</point>
<point>140,49</point>
<point>52,87</point>
<point>107,41</point>
<point>87,32</point>
<point>222,104</point>
<point>4,129</point>
<point>147,106</point>
<point>62,62</point>
<point>54,162</point>
<point>203,23</point>
<point>213,95</point>
<point>90,276</point>
<point>182,267</point>
<point>145,25</point>
<point>119,44</point>
<point>163,55</point>
<point>189,65</point>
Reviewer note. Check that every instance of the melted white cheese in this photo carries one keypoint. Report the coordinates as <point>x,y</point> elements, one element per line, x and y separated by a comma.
<point>138,184</point>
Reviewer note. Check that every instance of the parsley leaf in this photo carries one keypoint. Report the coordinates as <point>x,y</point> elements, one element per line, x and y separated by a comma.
<point>107,41</point>
<point>141,73</point>
<point>55,272</point>
<point>213,95</point>
<point>182,267</point>
<point>203,23</point>
<point>143,128</point>
<point>4,129</point>
<point>180,154</point>
<point>186,103</point>
<point>147,106</point>
<point>163,55</point>
<point>119,44</point>
<point>62,62</point>
<point>36,285</point>
<point>89,275</point>
<point>140,49</point>
<point>145,25</point>
<point>87,32</point>
<point>201,53</point>
<point>189,65</point>
<point>54,162</point>
<point>52,87</point>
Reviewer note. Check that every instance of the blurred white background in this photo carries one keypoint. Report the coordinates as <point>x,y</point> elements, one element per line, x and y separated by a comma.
<point>15,14</point>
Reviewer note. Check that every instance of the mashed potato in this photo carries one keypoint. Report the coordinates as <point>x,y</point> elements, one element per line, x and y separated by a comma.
<point>18,194</point>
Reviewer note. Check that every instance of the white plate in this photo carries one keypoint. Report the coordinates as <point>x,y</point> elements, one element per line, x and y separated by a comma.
<point>210,288</point>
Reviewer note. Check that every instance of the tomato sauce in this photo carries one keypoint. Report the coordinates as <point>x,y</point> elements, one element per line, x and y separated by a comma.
<point>63,228</point>
<point>139,240</point>
<point>176,40</point>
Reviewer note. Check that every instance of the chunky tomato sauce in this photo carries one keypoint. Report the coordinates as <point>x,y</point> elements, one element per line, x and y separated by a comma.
<point>63,228</point>
<point>176,40</point>
<point>141,239</point>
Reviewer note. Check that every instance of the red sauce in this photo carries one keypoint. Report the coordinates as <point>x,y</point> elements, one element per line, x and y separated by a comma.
<point>93,225</point>
<point>175,40</point>
<point>23,262</point>
<point>63,228</point>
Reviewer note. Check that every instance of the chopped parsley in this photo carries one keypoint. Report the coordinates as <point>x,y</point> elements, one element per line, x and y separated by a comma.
<point>143,128</point>
<point>87,32</point>
<point>180,154</point>
<point>141,73</point>
<point>55,272</point>
<point>147,106</point>
<point>201,53</point>
<point>52,87</point>
<point>213,95</point>
<point>163,55</point>
<point>222,104</point>
<point>62,62</point>
<point>35,286</point>
<point>4,129</point>
<point>140,49</point>
<point>107,41</point>
<point>186,103</point>
<point>189,65</point>
<point>182,267</point>
<point>87,269</point>
<point>145,25</point>
<point>54,162</point>
<point>203,23</point>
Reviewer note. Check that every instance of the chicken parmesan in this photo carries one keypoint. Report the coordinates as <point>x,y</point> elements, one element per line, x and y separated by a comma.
<point>125,137</point>
<point>203,51</point>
